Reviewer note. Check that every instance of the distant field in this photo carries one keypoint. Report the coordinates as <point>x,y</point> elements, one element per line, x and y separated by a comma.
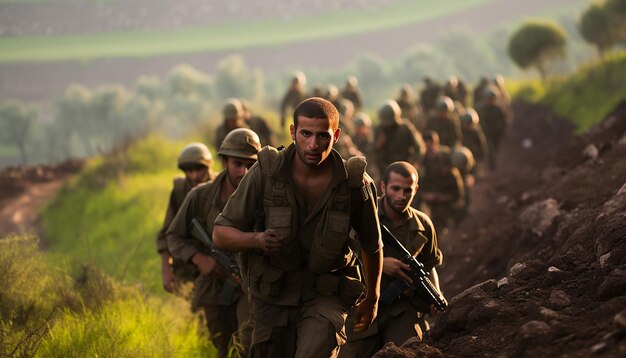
<point>222,37</point>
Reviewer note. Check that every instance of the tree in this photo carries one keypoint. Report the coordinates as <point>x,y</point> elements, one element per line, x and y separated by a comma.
<point>15,122</point>
<point>595,28</point>
<point>536,44</point>
<point>617,18</point>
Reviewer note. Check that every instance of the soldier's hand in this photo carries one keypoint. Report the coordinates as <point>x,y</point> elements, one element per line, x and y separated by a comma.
<point>434,311</point>
<point>270,241</point>
<point>365,314</point>
<point>207,265</point>
<point>396,268</point>
<point>167,277</point>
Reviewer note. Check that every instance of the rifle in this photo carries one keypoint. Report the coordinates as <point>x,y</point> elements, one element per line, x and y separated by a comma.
<point>224,260</point>
<point>424,287</point>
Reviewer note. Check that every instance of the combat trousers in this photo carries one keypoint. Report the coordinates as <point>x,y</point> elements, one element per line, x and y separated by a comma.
<point>396,324</point>
<point>230,324</point>
<point>313,329</point>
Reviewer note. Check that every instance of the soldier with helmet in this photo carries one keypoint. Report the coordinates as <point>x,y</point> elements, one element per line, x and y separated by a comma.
<point>445,121</point>
<point>463,160</point>
<point>228,319</point>
<point>352,93</point>
<point>429,94</point>
<point>258,124</point>
<point>408,104</point>
<point>473,135</point>
<point>294,95</point>
<point>493,121</point>
<point>233,114</point>
<point>395,138</point>
<point>195,161</point>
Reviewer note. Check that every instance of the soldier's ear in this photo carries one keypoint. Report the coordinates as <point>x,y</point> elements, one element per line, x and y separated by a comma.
<point>336,135</point>
<point>292,131</point>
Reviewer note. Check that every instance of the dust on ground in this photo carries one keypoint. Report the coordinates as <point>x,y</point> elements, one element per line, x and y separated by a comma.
<point>24,190</point>
<point>544,250</point>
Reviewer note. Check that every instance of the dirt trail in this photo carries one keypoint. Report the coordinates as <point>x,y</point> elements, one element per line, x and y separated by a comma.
<point>24,190</point>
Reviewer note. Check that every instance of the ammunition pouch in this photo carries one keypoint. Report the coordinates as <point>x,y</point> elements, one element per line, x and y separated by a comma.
<point>349,289</point>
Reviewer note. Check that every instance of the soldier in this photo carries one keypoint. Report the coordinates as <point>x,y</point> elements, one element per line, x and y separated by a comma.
<point>404,318</point>
<point>445,121</point>
<point>462,92</point>
<point>479,92</point>
<point>442,187</point>
<point>294,95</point>
<point>463,160</point>
<point>258,124</point>
<point>345,146</point>
<point>493,122</point>
<point>195,161</point>
<point>233,115</point>
<point>429,94</point>
<point>451,89</point>
<point>228,319</point>
<point>302,203</point>
<point>363,133</point>
<point>407,103</point>
<point>352,93</point>
<point>395,138</point>
<point>473,135</point>
<point>332,95</point>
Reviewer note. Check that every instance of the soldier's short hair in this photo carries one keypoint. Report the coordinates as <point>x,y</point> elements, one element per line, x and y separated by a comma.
<point>316,107</point>
<point>405,169</point>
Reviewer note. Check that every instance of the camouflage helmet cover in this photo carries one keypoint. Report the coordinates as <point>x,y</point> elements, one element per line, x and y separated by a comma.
<point>240,143</point>
<point>195,153</point>
<point>470,116</point>
<point>233,109</point>
<point>445,103</point>
<point>389,113</point>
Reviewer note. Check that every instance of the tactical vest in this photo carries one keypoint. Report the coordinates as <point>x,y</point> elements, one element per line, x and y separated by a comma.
<point>329,251</point>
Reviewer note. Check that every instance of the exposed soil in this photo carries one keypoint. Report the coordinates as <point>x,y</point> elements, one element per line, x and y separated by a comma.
<point>24,190</point>
<point>544,250</point>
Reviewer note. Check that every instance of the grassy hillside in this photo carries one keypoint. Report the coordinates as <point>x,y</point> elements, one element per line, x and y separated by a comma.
<point>46,313</point>
<point>223,37</point>
<point>584,97</point>
<point>110,214</point>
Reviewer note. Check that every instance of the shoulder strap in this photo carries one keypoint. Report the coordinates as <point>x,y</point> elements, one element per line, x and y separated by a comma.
<point>181,188</point>
<point>268,156</point>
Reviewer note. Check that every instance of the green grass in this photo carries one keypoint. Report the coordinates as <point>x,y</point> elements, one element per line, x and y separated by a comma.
<point>46,313</point>
<point>110,214</point>
<point>222,37</point>
<point>584,97</point>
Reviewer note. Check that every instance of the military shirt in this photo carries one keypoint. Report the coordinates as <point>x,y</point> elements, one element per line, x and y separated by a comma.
<point>179,191</point>
<point>448,128</point>
<point>242,206</point>
<point>403,143</point>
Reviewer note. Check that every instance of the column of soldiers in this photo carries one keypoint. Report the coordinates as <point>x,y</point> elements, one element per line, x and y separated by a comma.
<point>303,223</point>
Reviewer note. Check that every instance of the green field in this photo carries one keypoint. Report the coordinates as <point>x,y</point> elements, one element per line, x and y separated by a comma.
<point>223,37</point>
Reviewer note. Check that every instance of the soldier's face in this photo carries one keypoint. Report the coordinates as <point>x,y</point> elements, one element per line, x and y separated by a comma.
<point>399,191</point>
<point>196,176</point>
<point>236,168</point>
<point>314,139</point>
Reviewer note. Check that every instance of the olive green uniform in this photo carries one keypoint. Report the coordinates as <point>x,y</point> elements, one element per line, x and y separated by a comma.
<point>493,122</point>
<point>404,318</point>
<point>448,185</point>
<point>182,270</point>
<point>400,143</point>
<point>353,95</point>
<point>474,139</point>
<point>262,129</point>
<point>223,321</point>
<point>291,99</point>
<point>447,125</point>
<point>301,296</point>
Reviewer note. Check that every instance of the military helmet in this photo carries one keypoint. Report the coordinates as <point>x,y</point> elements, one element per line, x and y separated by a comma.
<point>453,81</point>
<point>299,78</point>
<point>332,93</point>
<point>195,153</point>
<point>389,113</point>
<point>470,116</point>
<point>362,119</point>
<point>490,92</point>
<point>352,81</point>
<point>233,109</point>
<point>444,103</point>
<point>406,90</point>
<point>345,108</point>
<point>462,159</point>
<point>241,143</point>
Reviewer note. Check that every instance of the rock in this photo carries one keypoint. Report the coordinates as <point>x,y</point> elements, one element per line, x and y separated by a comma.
<point>598,348</point>
<point>579,256</point>
<point>604,258</point>
<point>555,275</point>
<point>525,271</point>
<point>482,314</point>
<point>421,349</point>
<point>476,292</point>
<point>548,314</point>
<point>591,152</point>
<point>614,285</point>
<point>620,321</point>
<point>559,299</point>
<point>539,216</point>
<point>503,282</point>
<point>622,140</point>
<point>534,331</point>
